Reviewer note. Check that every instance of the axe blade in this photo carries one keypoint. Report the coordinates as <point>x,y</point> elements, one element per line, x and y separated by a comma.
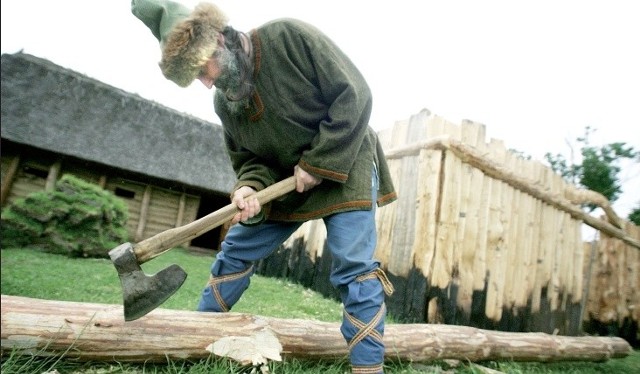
<point>143,293</point>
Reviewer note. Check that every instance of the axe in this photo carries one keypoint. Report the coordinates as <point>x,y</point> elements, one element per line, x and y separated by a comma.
<point>143,293</point>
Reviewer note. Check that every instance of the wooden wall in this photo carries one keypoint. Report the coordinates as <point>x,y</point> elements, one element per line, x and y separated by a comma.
<point>152,208</point>
<point>479,236</point>
<point>22,178</point>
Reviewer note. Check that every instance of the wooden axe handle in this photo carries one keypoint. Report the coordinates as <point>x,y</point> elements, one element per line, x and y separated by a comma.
<point>164,241</point>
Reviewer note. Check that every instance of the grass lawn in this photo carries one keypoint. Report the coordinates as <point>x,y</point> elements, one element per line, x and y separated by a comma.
<point>30,273</point>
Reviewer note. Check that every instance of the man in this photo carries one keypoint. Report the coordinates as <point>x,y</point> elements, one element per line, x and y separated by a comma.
<point>290,102</point>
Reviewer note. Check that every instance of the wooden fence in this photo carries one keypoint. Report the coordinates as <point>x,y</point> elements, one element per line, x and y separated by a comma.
<point>612,303</point>
<point>479,236</point>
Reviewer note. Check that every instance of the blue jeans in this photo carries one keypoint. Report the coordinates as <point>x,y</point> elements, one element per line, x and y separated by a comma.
<point>351,240</point>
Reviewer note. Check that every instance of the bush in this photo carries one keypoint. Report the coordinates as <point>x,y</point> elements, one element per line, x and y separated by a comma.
<point>78,219</point>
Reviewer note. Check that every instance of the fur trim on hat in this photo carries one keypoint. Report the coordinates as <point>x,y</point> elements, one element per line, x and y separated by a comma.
<point>191,43</point>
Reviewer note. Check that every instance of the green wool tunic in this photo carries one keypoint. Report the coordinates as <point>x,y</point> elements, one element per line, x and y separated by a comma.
<point>310,108</point>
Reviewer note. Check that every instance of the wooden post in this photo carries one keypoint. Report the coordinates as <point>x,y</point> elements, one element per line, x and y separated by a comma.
<point>181,206</point>
<point>497,240</point>
<point>144,211</point>
<point>7,181</point>
<point>588,265</point>
<point>472,248</point>
<point>52,177</point>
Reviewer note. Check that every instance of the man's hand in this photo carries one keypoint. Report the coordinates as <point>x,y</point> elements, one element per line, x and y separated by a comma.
<point>248,208</point>
<point>304,180</point>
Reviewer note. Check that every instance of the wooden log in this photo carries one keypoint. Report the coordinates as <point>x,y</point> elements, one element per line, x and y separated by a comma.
<point>510,260</point>
<point>444,265</point>
<point>403,226</point>
<point>98,332</point>
<point>428,199</point>
<point>472,247</point>
<point>498,239</point>
<point>548,232</point>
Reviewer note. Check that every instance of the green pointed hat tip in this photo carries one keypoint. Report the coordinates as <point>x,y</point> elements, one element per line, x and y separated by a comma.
<point>160,16</point>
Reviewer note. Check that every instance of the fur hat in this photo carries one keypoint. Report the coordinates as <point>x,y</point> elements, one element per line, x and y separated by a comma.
<point>187,38</point>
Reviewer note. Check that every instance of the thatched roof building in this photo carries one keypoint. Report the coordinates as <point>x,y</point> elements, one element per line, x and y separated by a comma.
<point>57,120</point>
<point>56,109</point>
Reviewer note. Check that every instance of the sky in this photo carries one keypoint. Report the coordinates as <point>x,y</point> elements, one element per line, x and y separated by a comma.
<point>535,73</point>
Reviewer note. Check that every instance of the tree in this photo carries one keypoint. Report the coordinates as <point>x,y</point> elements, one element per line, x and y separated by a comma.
<point>598,169</point>
<point>634,216</point>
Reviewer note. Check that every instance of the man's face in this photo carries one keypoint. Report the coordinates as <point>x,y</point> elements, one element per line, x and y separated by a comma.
<point>229,79</point>
<point>209,73</point>
<point>222,71</point>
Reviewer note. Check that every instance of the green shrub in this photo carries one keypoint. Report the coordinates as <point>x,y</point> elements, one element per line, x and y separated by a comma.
<point>78,219</point>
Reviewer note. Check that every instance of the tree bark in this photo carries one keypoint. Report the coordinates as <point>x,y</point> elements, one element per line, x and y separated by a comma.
<point>98,332</point>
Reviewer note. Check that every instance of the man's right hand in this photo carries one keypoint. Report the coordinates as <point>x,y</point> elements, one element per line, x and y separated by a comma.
<point>304,180</point>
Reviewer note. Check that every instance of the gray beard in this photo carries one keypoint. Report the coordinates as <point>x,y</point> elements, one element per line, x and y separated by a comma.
<point>230,81</point>
<point>237,106</point>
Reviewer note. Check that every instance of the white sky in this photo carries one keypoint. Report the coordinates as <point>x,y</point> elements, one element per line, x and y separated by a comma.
<point>536,73</point>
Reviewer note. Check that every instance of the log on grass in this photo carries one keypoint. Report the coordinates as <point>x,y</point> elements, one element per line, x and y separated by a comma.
<point>98,332</point>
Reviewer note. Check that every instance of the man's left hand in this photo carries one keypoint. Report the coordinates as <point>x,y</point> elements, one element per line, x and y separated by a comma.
<point>248,208</point>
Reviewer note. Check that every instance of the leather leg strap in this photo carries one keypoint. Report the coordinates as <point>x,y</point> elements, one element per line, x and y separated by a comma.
<point>368,329</point>
<point>215,281</point>
<point>372,369</point>
<point>387,286</point>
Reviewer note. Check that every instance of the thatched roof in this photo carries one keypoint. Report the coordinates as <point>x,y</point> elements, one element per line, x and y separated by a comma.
<point>56,109</point>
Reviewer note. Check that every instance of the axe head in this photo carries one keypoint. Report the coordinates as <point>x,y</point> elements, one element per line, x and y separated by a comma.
<point>143,293</point>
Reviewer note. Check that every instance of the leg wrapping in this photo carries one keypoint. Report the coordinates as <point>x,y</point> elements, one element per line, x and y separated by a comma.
<point>363,321</point>
<point>223,291</point>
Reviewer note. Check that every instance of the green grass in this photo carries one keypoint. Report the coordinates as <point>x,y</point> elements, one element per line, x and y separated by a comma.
<point>27,272</point>
<point>49,276</point>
